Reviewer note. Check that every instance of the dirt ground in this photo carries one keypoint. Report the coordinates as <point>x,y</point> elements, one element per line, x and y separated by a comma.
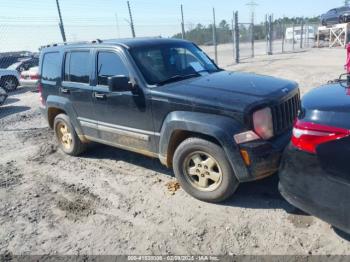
<point>110,201</point>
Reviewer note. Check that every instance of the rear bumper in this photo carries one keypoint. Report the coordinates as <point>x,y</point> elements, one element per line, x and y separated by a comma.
<point>28,83</point>
<point>265,156</point>
<point>304,184</point>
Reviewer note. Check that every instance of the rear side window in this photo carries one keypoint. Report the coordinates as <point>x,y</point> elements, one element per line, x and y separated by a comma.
<point>109,64</point>
<point>51,67</point>
<point>77,67</point>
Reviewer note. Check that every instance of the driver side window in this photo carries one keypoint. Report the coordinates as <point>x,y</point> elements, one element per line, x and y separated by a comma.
<point>109,64</point>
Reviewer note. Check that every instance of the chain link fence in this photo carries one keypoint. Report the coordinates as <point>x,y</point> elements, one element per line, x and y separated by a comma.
<point>227,41</point>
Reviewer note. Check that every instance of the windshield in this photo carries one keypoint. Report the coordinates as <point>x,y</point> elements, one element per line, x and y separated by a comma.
<point>171,62</point>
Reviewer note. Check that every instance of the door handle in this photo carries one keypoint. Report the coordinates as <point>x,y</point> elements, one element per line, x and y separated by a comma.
<point>100,96</point>
<point>65,90</point>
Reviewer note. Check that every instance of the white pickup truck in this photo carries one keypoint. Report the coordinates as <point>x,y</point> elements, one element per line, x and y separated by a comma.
<point>9,79</point>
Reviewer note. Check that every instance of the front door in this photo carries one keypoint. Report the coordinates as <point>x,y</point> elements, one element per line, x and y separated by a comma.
<point>124,118</point>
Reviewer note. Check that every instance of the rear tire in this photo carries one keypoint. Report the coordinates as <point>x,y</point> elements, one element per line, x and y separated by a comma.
<point>67,138</point>
<point>9,83</point>
<point>203,171</point>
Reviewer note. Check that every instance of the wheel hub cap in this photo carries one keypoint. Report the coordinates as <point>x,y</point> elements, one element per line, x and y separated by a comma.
<point>10,84</point>
<point>202,171</point>
<point>64,135</point>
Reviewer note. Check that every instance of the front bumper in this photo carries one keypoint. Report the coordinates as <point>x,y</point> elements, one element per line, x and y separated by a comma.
<point>265,156</point>
<point>304,184</point>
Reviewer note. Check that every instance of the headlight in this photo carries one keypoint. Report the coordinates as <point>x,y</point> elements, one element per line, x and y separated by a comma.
<point>262,120</point>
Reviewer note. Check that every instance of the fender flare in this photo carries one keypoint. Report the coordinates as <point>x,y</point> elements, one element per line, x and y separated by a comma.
<point>65,105</point>
<point>221,128</point>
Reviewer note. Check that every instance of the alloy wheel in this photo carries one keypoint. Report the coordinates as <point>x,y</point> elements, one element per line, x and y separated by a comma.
<point>202,171</point>
<point>64,135</point>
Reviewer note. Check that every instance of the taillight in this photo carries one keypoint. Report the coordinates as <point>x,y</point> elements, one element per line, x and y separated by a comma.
<point>308,136</point>
<point>40,90</point>
<point>22,76</point>
<point>34,76</point>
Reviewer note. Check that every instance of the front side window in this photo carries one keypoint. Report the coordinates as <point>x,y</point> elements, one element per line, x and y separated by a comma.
<point>171,61</point>
<point>51,67</point>
<point>109,64</point>
<point>77,67</point>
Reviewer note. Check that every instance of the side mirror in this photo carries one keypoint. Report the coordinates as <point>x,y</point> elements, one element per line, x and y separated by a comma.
<point>119,83</point>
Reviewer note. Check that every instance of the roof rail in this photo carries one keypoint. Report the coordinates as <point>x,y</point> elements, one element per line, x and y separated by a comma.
<point>95,41</point>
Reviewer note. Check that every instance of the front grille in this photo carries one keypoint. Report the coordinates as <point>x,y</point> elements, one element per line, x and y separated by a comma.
<point>284,114</point>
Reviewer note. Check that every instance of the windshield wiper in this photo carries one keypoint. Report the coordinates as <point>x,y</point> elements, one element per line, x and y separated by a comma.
<point>177,78</point>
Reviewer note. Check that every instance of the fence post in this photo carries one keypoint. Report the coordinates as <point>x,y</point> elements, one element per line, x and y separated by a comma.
<point>270,34</point>
<point>307,39</point>
<point>283,36</point>
<point>302,34</point>
<point>237,38</point>
<point>267,33</point>
<point>233,34</point>
<point>214,38</point>
<point>252,36</point>
<point>293,37</point>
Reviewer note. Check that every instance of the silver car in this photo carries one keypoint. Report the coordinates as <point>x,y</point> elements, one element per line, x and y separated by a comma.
<point>29,78</point>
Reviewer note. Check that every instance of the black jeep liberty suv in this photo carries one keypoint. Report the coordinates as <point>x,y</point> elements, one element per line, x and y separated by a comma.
<point>167,99</point>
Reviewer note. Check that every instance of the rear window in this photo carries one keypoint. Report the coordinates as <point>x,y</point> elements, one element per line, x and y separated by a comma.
<point>77,67</point>
<point>51,68</point>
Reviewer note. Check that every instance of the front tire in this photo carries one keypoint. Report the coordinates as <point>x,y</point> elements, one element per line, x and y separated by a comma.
<point>203,171</point>
<point>66,136</point>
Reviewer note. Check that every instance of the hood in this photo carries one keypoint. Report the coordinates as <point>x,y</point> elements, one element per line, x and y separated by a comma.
<point>328,105</point>
<point>228,90</point>
<point>9,71</point>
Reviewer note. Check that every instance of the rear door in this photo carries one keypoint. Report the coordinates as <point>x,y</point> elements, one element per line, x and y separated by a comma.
<point>76,86</point>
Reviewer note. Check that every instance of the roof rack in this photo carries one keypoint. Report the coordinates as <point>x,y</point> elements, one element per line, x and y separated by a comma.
<point>95,41</point>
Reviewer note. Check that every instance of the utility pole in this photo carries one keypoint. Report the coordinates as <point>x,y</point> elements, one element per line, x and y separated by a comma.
<point>131,21</point>
<point>252,4</point>
<point>214,37</point>
<point>61,22</point>
<point>182,23</point>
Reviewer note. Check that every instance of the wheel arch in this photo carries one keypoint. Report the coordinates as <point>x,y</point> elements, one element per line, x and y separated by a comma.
<point>178,126</point>
<point>4,77</point>
<point>56,105</point>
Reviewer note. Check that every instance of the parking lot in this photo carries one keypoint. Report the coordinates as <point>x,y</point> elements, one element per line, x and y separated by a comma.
<point>110,201</point>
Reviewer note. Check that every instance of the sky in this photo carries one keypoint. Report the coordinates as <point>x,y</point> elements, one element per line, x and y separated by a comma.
<point>29,24</point>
